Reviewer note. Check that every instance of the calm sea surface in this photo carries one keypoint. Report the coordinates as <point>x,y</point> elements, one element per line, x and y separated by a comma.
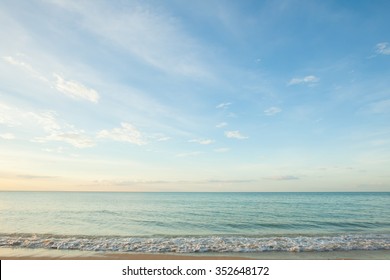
<point>195,222</point>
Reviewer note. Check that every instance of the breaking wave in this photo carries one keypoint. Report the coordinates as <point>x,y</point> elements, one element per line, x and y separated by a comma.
<point>201,244</point>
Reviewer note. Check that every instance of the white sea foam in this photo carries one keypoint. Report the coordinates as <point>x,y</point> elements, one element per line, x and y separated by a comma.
<point>200,244</point>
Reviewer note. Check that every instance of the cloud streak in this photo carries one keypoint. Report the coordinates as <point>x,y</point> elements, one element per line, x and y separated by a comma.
<point>72,89</point>
<point>382,48</point>
<point>126,133</point>
<point>221,150</point>
<point>272,111</point>
<point>60,132</point>
<point>202,141</point>
<point>220,125</point>
<point>9,116</point>
<point>25,67</point>
<point>305,80</point>
<point>48,122</point>
<point>75,89</point>
<point>188,154</point>
<point>235,134</point>
<point>282,178</point>
<point>224,105</point>
<point>150,34</point>
<point>74,138</point>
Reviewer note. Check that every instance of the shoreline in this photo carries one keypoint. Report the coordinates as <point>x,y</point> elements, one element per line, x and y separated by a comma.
<point>45,254</point>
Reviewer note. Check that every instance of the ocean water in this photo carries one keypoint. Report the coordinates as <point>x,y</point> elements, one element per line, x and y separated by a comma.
<point>195,222</point>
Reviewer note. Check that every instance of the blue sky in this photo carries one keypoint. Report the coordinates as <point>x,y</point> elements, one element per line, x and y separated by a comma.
<point>195,96</point>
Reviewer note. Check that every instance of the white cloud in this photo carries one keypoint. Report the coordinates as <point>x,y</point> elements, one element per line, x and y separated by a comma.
<point>26,67</point>
<point>7,136</point>
<point>74,138</point>
<point>202,141</point>
<point>75,90</point>
<point>218,181</point>
<point>272,111</point>
<point>47,122</point>
<point>163,138</point>
<point>32,177</point>
<point>126,133</point>
<point>159,137</point>
<point>13,116</point>
<point>222,124</point>
<point>282,178</point>
<point>58,150</point>
<point>221,150</point>
<point>188,154</point>
<point>383,48</point>
<point>224,105</point>
<point>21,64</point>
<point>235,134</point>
<point>9,116</point>
<point>305,80</point>
<point>59,131</point>
<point>71,89</point>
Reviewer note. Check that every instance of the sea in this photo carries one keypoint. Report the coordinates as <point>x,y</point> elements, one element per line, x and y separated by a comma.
<point>195,223</point>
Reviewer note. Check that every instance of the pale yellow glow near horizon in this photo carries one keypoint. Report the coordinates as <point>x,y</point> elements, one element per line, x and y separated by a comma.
<point>79,185</point>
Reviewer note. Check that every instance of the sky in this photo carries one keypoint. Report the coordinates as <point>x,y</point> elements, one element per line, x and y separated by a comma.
<point>289,95</point>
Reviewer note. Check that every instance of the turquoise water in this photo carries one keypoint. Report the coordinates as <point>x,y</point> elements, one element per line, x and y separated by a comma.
<point>195,222</point>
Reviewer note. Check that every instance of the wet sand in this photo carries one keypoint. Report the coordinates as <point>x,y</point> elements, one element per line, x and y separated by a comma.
<point>44,254</point>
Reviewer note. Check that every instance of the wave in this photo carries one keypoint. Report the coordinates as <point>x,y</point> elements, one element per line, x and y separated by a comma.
<point>199,244</point>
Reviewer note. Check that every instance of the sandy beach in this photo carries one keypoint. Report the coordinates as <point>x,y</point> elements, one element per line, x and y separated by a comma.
<point>44,254</point>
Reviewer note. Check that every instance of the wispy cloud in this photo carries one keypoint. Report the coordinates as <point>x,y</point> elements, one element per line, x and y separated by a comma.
<point>12,116</point>
<point>58,150</point>
<point>47,122</point>
<point>382,48</point>
<point>7,136</point>
<point>235,134</point>
<point>305,80</point>
<point>272,111</point>
<point>163,138</point>
<point>222,124</point>
<point>75,89</point>
<point>221,150</point>
<point>59,131</point>
<point>32,177</point>
<point>77,139</point>
<point>26,67</point>
<point>126,133</point>
<point>18,63</point>
<point>150,34</point>
<point>202,141</point>
<point>282,178</point>
<point>9,116</point>
<point>172,182</point>
<point>72,89</point>
<point>224,105</point>
<point>189,154</point>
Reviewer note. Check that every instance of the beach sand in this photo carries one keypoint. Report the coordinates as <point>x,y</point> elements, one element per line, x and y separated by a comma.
<point>45,254</point>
